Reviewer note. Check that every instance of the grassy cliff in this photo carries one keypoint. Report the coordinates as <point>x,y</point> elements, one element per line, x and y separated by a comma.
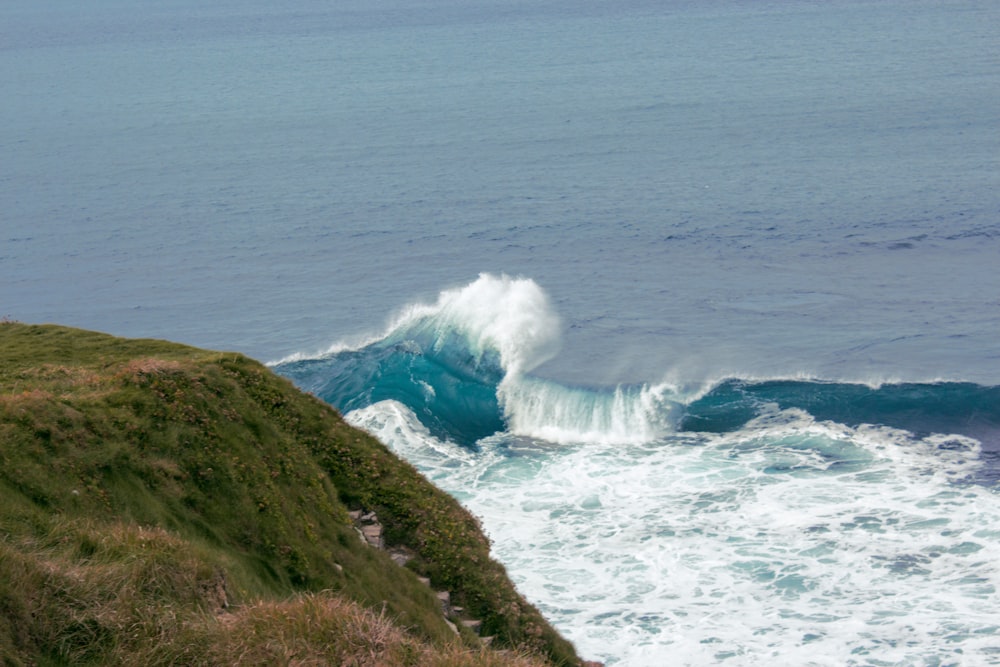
<point>169,505</point>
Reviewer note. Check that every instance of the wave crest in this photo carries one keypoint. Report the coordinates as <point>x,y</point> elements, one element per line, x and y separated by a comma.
<point>463,366</point>
<point>494,315</point>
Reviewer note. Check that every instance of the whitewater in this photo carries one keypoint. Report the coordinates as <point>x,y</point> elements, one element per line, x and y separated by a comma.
<point>694,303</point>
<point>749,521</point>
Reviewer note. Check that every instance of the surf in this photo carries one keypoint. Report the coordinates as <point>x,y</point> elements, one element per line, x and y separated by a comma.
<point>714,521</point>
<point>788,538</point>
<point>463,365</point>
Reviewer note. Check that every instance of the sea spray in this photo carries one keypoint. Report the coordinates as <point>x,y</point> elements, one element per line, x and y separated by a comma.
<point>753,521</point>
<point>509,317</point>
<point>556,413</point>
<point>463,366</point>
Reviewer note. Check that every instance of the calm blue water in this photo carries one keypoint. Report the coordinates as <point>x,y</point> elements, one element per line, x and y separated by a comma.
<point>694,303</point>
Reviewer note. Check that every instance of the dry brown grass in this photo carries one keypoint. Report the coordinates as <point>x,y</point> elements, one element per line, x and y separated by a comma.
<point>319,629</point>
<point>131,595</point>
<point>150,366</point>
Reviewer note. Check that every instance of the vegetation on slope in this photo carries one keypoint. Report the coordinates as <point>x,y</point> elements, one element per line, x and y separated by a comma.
<point>168,504</point>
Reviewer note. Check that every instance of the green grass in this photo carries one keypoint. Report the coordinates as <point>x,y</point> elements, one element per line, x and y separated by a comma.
<point>143,483</point>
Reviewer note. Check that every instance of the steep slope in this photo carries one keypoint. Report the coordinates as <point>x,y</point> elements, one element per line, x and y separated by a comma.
<point>155,498</point>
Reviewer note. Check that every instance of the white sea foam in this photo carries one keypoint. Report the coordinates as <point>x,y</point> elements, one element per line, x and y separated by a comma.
<point>395,424</point>
<point>510,316</point>
<point>547,410</point>
<point>789,542</point>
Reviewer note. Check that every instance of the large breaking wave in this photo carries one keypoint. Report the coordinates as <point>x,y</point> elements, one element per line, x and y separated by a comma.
<point>463,365</point>
<point>741,521</point>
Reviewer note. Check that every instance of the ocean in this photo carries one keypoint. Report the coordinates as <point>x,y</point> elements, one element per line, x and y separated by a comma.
<point>695,304</point>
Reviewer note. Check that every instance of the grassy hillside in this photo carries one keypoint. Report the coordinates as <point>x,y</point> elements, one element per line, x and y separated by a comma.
<point>164,504</point>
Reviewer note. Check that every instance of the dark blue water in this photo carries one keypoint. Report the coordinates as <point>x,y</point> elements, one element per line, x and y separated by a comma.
<point>727,389</point>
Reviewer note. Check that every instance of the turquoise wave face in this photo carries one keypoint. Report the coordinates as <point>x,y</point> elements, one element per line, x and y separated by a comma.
<point>457,396</point>
<point>453,394</point>
<point>463,366</point>
<point>950,407</point>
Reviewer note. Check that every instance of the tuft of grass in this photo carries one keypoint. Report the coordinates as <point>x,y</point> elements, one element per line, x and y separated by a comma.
<point>317,629</point>
<point>157,498</point>
<point>163,605</point>
<point>82,592</point>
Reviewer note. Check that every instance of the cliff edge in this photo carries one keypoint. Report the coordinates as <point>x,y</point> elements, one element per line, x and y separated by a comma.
<point>165,504</point>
